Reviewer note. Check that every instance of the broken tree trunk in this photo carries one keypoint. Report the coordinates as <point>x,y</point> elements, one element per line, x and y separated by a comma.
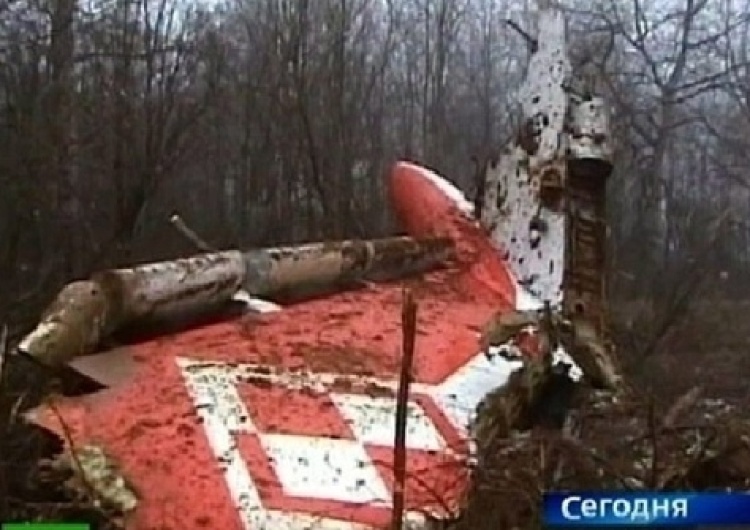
<point>87,311</point>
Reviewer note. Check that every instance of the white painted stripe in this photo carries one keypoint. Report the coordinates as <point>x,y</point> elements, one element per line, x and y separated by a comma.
<point>372,420</point>
<point>325,468</point>
<point>211,385</point>
<point>214,393</point>
<point>208,404</point>
<point>447,188</point>
<point>459,395</point>
<point>277,520</point>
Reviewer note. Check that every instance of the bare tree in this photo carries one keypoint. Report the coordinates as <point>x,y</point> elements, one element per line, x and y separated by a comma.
<point>272,121</point>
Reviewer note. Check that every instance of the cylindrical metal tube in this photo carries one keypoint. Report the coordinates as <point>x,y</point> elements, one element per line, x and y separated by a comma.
<point>269,271</point>
<point>171,287</point>
<point>84,312</point>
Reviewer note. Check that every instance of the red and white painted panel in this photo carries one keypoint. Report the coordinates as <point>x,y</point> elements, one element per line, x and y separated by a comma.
<point>305,450</point>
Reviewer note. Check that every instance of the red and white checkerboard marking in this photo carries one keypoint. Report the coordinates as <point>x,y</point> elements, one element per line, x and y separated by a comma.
<point>371,419</point>
<point>314,451</point>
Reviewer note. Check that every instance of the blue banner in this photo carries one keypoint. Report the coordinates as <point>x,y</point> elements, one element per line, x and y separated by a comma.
<point>632,508</point>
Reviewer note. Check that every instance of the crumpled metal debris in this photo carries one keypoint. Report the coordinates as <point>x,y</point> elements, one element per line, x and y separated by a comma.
<point>622,442</point>
<point>577,338</point>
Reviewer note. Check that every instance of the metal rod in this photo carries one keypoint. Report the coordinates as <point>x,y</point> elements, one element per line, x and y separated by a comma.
<point>409,327</point>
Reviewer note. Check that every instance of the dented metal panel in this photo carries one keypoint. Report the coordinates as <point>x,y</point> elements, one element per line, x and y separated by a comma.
<point>544,99</point>
<point>383,259</point>
<point>286,422</point>
<point>72,325</point>
<point>546,195</point>
<point>85,312</point>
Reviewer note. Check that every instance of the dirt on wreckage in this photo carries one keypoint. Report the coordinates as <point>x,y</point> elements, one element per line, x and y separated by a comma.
<point>624,440</point>
<point>612,441</point>
<point>617,443</point>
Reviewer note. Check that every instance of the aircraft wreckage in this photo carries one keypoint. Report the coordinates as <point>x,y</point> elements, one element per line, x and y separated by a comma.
<point>284,417</point>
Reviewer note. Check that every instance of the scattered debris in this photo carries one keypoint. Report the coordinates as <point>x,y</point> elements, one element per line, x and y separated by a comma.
<point>565,419</point>
<point>547,428</point>
<point>616,446</point>
<point>577,340</point>
<point>95,475</point>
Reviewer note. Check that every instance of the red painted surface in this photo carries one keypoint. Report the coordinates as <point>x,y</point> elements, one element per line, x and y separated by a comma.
<point>150,426</point>
<point>424,211</point>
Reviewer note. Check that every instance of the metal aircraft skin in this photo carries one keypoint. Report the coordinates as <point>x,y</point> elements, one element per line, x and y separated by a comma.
<point>284,419</point>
